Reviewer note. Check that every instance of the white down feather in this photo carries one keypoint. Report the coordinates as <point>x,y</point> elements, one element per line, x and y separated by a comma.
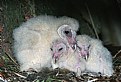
<point>32,40</point>
<point>99,59</point>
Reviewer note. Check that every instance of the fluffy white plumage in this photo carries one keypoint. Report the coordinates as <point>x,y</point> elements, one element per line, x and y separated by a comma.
<point>99,58</point>
<point>33,38</point>
<point>66,58</point>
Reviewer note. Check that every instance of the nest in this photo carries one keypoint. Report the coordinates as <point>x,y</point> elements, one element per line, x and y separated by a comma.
<point>10,72</point>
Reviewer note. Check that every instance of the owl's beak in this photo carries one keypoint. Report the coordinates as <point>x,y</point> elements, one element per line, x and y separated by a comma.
<point>72,42</point>
<point>73,46</point>
<point>55,57</point>
<point>55,60</point>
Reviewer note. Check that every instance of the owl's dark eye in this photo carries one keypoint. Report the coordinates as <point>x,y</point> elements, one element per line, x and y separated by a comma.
<point>51,49</point>
<point>60,49</point>
<point>68,33</point>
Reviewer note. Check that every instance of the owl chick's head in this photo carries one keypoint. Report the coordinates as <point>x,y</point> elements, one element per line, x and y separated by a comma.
<point>58,49</point>
<point>67,34</point>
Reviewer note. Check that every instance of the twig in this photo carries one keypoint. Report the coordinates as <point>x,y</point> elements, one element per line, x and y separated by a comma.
<point>57,74</point>
<point>11,58</point>
<point>116,54</point>
<point>20,75</point>
<point>116,60</point>
<point>92,80</point>
<point>91,19</point>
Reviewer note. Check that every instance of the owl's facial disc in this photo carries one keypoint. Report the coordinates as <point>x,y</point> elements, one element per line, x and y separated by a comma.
<point>68,34</point>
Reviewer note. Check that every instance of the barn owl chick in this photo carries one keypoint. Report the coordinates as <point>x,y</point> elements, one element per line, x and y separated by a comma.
<point>33,38</point>
<point>68,31</point>
<point>99,58</point>
<point>65,57</point>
